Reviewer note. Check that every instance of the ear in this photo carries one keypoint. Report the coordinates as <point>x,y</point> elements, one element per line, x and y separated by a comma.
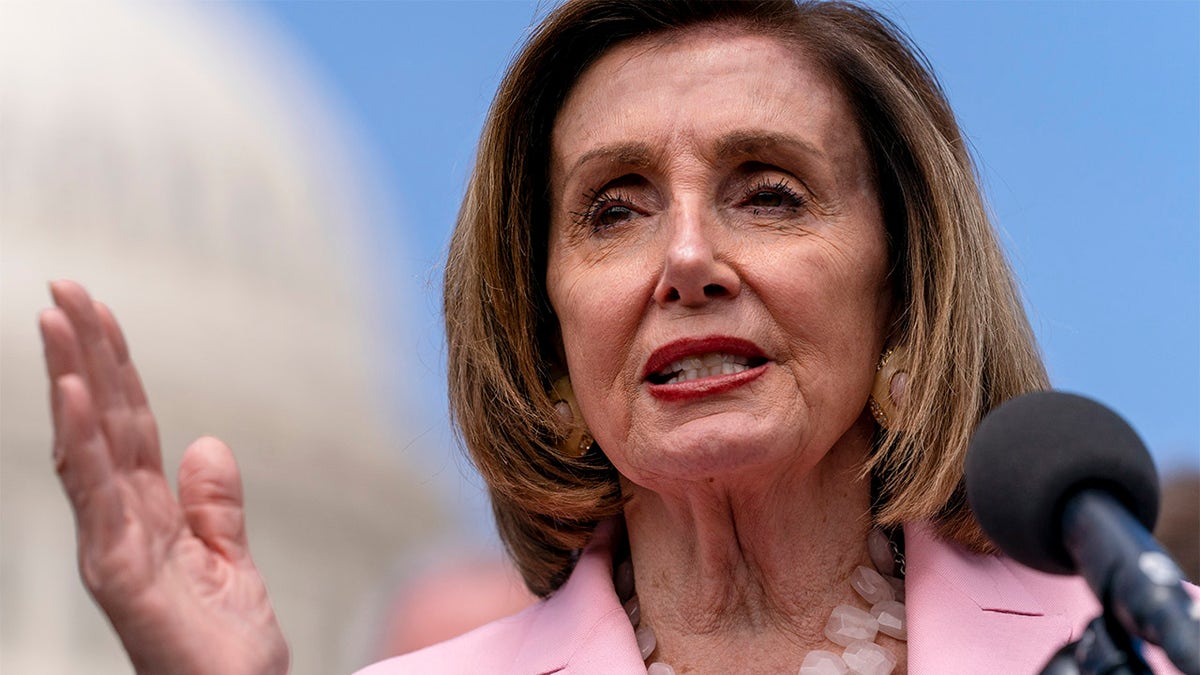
<point>578,439</point>
<point>889,387</point>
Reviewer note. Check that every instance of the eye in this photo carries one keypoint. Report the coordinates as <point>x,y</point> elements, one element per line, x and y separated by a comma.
<point>605,209</point>
<point>765,198</point>
<point>773,195</point>
<point>613,214</point>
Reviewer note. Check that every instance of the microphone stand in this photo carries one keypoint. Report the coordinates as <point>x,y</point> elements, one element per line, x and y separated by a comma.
<point>1140,588</point>
<point>1105,648</point>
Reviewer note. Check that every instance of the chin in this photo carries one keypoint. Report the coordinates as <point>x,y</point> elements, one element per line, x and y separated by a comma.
<point>712,448</point>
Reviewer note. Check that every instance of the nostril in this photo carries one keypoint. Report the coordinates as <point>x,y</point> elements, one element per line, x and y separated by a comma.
<point>715,291</point>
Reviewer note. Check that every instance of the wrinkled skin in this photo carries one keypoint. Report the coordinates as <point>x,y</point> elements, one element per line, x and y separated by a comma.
<point>174,575</point>
<point>713,199</point>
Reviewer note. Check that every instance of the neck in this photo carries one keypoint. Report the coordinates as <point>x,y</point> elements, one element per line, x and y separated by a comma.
<point>736,575</point>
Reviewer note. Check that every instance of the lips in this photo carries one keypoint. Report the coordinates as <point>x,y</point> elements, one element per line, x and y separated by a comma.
<point>702,366</point>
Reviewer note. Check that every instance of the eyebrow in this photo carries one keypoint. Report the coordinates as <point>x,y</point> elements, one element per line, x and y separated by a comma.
<point>740,143</point>
<point>734,144</point>
<point>625,154</point>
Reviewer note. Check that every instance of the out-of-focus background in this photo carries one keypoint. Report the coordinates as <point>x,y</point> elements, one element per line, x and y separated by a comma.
<point>264,192</point>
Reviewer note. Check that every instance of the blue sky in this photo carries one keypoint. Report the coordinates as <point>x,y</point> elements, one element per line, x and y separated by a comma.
<point>1084,118</point>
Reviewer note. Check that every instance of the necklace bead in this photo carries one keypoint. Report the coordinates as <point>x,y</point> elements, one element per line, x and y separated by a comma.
<point>871,585</point>
<point>646,641</point>
<point>633,609</point>
<point>868,658</point>
<point>890,615</point>
<point>822,662</point>
<point>879,546</point>
<point>850,624</point>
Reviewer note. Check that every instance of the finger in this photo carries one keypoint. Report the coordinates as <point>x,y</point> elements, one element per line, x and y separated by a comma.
<point>98,358</point>
<point>130,381</point>
<point>61,352</point>
<point>124,429</point>
<point>210,492</point>
<point>85,466</point>
<point>59,344</point>
<point>143,438</point>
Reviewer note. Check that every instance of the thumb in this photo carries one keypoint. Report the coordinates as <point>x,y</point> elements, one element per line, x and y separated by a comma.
<point>210,493</point>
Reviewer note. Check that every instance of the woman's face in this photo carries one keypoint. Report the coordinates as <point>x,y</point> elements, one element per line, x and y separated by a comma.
<point>717,259</point>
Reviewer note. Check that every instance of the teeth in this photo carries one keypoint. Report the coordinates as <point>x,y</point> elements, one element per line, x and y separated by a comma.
<point>707,365</point>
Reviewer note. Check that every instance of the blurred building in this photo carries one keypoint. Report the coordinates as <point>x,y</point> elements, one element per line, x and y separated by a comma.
<point>1178,525</point>
<point>175,160</point>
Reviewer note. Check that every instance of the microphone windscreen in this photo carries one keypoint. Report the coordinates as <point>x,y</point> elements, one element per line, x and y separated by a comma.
<point>1032,453</point>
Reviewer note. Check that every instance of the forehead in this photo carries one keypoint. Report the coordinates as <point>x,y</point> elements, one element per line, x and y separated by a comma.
<point>700,86</point>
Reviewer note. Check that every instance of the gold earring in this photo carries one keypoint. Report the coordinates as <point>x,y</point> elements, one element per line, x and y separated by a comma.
<point>578,440</point>
<point>892,364</point>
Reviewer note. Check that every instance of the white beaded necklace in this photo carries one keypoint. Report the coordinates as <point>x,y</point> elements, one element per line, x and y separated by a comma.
<point>853,628</point>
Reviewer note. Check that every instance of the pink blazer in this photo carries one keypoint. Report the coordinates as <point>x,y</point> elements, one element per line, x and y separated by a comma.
<point>966,614</point>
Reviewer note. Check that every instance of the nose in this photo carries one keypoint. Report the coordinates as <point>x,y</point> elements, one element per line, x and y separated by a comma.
<point>693,272</point>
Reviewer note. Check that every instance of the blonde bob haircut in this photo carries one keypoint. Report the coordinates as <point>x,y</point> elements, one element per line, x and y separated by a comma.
<point>959,314</point>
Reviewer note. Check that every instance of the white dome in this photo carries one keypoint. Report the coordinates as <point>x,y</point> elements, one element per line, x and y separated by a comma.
<point>175,160</point>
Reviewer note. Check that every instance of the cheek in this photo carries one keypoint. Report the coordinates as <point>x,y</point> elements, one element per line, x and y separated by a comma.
<point>595,340</point>
<point>599,314</point>
<point>829,299</point>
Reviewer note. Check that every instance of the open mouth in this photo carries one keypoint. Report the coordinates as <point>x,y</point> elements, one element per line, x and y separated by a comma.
<point>704,365</point>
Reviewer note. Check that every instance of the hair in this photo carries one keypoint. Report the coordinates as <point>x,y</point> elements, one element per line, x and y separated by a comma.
<point>958,311</point>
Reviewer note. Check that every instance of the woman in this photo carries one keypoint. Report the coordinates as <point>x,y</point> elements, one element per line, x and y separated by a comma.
<point>723,306</point>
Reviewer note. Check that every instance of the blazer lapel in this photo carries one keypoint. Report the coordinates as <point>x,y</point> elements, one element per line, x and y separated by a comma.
<point>985,614</point>
<point>582,628</point>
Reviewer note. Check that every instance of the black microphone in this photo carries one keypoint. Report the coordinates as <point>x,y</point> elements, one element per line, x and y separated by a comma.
<point>1062,484</point>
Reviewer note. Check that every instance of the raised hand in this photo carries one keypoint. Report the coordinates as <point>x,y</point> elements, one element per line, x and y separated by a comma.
<point>175,577</point>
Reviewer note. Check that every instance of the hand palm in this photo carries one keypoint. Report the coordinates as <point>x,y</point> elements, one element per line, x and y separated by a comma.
<point>175,577</point>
